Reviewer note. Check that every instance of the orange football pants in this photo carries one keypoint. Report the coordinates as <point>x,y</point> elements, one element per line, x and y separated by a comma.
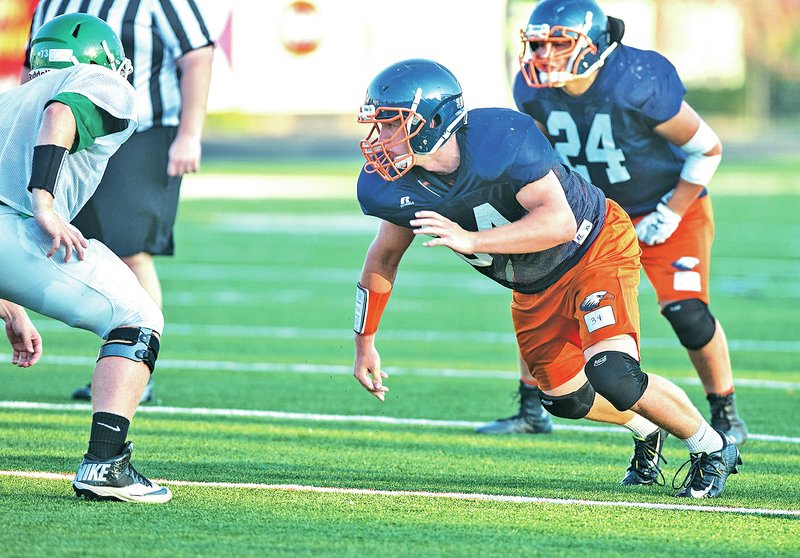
<point>670,266</point>
<point>594,300</point>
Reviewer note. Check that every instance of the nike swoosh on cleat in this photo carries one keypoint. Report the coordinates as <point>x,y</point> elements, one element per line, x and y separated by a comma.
<point>114,428</point>
<point>700,493</point>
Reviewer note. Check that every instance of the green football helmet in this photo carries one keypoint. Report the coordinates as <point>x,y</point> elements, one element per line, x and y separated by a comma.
<point>72,39</point>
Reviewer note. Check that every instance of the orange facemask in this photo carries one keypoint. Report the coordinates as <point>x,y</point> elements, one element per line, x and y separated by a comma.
<point>551,61</point>
<point>384,157</point>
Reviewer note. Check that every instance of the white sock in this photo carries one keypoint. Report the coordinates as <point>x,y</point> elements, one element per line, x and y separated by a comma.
<point>705,440</point>
<point>640,426</point>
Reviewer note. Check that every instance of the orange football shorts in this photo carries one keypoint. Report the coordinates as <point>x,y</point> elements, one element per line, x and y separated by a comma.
<point>679,268</point>
<point>594,300</point>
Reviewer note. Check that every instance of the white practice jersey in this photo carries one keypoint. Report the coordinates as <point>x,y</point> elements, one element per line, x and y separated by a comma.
<point>21,114</point>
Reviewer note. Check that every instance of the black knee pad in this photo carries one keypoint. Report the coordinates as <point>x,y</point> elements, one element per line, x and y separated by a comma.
<point>617,377</point>
<point>575,405</point>
<point>692,322</point>
<point>139,344</point>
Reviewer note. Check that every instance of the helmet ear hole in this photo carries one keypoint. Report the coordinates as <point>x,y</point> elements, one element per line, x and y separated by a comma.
<point>435,121</point>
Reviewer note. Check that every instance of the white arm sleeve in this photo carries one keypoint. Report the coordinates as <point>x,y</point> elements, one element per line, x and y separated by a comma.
<point>698,167</point>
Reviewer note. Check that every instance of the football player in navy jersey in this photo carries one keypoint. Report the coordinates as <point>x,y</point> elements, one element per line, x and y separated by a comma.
<point>616,115</point>
<point>486,184</point>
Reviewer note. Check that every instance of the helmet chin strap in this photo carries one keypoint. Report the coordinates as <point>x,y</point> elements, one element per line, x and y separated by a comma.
<point>414,105</point>
<point>403,161</point>
<point>123,68</point>
<point>583,40</point>
<point>447,133</point>
<point>601,59</point>
<point>109,56</point>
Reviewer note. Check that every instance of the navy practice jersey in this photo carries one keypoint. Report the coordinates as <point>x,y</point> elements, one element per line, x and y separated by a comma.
<point>607,134</point>
<point>501,151</point>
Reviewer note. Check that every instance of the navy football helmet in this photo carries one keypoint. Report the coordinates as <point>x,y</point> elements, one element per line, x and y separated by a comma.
<point>414,106</point>
<point>566,40</point>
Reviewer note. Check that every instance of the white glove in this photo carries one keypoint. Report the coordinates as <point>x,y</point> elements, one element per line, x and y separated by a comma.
<point>658,226</point>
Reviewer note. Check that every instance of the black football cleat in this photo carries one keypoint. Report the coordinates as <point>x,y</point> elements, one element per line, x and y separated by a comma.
<point>645,468</point>
<point>709,471</point>
<point>725,418</point>
<point>83,393</point>
<point>531,419</point>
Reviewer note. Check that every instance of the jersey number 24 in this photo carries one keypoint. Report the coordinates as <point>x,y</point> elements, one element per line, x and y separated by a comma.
<point>600,146</point>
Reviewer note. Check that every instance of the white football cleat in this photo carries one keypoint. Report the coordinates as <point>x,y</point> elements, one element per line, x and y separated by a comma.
<point>116,479</point>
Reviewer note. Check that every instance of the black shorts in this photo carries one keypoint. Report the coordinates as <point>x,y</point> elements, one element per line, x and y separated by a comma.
<point>134,207</point>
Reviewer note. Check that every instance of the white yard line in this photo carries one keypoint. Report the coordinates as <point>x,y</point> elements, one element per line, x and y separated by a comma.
<point>317,417</point>
<point>442,495</point>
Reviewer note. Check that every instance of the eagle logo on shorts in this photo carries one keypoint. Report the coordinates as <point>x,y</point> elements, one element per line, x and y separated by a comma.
<point>593,300</point>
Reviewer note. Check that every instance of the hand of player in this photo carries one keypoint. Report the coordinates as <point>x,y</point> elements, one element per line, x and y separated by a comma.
<point>59,231</point>
<point>184,155</point>
<point>658,226</point>
<point>445,232</point>
<point>25,340</point>
<point>367,367</point>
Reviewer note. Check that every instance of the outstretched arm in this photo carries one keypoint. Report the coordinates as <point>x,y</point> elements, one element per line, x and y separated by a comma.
<point>25,340</point>
<point>377,277</point>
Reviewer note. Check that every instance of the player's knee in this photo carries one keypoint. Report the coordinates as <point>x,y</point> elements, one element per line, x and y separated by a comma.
<point>139,344</point>
<point>135,333</point>
<point>575,405</point>
<point>692,321</point>
<point>618,377</point>
<point>139,310</point>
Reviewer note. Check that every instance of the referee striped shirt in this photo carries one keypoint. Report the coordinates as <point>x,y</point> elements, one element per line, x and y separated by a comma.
<point>154,34</point>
